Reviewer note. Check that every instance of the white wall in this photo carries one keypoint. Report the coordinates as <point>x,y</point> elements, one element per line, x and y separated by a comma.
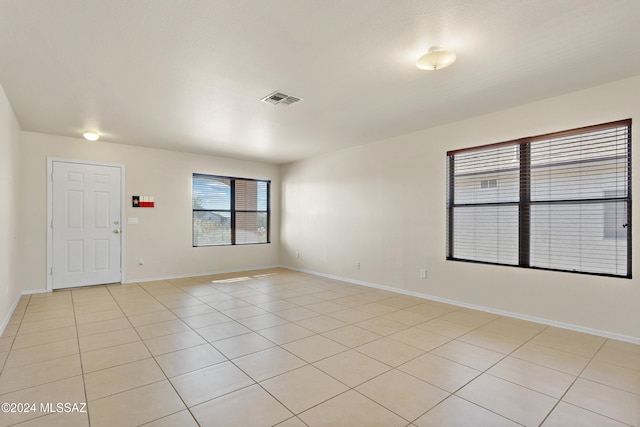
<point>10,286</point>
<point>383,205</point>
<point>163,236</point>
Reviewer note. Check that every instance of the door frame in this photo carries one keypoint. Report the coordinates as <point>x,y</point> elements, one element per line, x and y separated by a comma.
<point>50,162</point>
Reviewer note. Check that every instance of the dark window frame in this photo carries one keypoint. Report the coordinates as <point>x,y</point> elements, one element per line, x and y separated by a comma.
<point>233,211</point>
<point>524,202</point>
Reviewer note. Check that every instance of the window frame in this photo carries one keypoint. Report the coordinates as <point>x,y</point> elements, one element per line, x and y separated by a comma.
<point>524,202</point>
<point>232,210</point>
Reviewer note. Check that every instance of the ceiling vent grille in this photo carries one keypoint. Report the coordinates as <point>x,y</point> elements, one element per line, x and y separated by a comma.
<point>280,98</point>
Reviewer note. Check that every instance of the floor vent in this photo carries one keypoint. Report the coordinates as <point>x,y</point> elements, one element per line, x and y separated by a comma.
<point>279,98</point>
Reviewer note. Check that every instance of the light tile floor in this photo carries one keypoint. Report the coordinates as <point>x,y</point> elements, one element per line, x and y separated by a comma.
<point>277,347</point>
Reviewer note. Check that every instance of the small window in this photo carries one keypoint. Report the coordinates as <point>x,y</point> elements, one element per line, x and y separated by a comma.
<point>230,211</point>
<point>488,183</point>
<point>563,202</point>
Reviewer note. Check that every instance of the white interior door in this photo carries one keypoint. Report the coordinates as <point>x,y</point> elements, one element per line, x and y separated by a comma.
<point>86,239</point>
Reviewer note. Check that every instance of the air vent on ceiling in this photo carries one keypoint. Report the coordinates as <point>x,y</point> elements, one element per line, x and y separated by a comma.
<point>279,98</point>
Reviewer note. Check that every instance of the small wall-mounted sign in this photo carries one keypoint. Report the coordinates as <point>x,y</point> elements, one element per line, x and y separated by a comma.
<point>142,201</point>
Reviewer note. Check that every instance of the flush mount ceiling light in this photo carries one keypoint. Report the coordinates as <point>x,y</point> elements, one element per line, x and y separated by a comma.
<point>436,59</point>
<point>91,135</point>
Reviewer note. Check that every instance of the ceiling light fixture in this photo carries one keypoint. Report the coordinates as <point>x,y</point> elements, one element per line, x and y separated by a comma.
<point>91,135</point>
<point>280,98</point>
<point>436,59</point>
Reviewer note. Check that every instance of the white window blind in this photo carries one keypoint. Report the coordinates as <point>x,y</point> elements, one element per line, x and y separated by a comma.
<point>558,202</point>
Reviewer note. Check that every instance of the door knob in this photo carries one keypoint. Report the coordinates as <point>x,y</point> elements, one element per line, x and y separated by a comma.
<point>116,231</point>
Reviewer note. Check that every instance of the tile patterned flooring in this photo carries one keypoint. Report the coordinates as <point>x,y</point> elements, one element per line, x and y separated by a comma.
<point>277,347</point>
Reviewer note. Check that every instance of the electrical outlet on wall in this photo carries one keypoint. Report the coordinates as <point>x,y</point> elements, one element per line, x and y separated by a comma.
<point>357,266</point>
<point>297,254</point>
<point>423,273</point>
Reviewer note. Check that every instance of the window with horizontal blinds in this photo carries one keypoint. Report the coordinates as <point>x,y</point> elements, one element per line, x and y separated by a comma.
<point>229,211</point>
<point>558,202</point>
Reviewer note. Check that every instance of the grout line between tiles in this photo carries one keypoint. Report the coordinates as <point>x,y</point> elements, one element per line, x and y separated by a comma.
<point>84,384</point>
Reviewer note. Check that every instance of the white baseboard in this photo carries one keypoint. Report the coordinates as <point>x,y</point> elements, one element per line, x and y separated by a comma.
<point>4,324</point>
<point>569,326</point>
<point>12,310</point>
<point>34,291</point>
<point>181,276</point>
<point>148,279</point>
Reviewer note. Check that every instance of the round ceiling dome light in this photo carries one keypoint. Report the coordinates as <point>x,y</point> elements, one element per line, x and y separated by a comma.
<point>91,135</point>
<point>436,59</point>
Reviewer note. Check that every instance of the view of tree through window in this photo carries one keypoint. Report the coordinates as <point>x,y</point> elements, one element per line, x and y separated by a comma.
<point>229,211</point>
<point>558,202</point>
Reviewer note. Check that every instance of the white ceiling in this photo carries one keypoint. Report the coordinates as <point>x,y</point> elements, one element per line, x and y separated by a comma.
<point>188,75</point>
